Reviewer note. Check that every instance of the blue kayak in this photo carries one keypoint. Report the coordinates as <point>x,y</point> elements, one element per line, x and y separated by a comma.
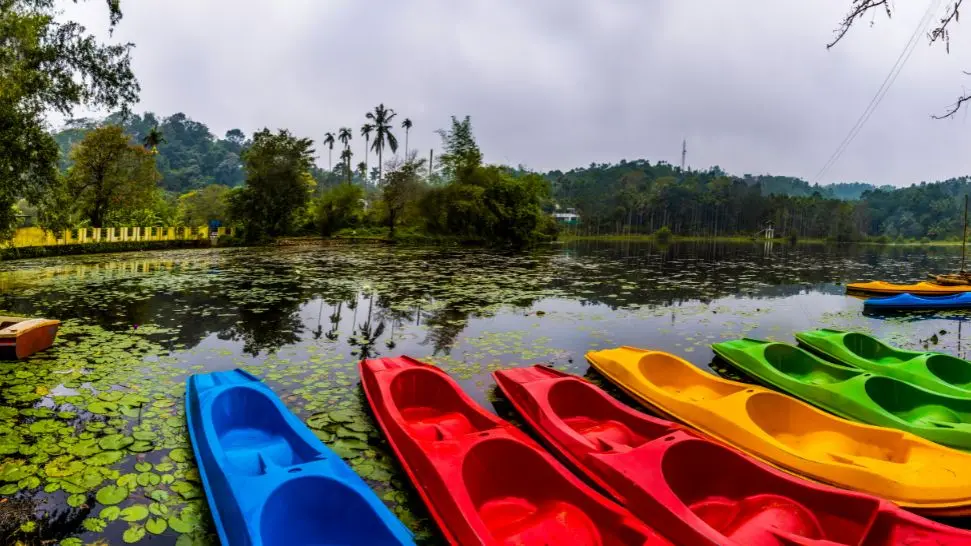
<point>269,480</point>
<point>910,301</point>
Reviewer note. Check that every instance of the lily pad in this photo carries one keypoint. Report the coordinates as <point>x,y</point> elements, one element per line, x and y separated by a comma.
<point>179,455</point>
<point>342,416</point>
<point>156,526</point>
<point>115,441</point>
<point>109,513</point>
<point>63,466</point>
<point>94,525</point>
<point>133,534</point>
<point>112,494</point>
<point>141,446</point>
<point>105,458</point>
<point>135,512</point>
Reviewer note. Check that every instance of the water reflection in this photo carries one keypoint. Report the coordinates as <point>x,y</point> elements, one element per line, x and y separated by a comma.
<point>371,298</point>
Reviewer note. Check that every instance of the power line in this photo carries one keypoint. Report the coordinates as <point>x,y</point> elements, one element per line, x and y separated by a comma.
<point>882,91</point>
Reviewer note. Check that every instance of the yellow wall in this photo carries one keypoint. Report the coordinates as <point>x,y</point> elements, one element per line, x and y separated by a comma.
<point>35,236</point>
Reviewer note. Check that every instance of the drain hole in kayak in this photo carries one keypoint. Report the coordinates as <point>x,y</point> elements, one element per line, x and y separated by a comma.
<point>669,438</point>
<point>481,434</point>
<point>293,470</point>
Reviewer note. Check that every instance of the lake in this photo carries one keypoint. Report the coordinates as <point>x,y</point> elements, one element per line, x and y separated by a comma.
<point>92,432</point>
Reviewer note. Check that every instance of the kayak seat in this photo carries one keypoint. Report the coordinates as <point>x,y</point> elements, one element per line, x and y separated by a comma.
<point>427,424</point>
<point>665,372</point>
<point>815,435</point>
<point>612,436</point>
<point>516,521</point>
<point>431,408</point>
<point>757,520</point>
<point>918,406</point>
<point>871,348</point>
<point>312,510</point>
<point>254,435</point>
<point>799,365</point>
<point>949,369</point>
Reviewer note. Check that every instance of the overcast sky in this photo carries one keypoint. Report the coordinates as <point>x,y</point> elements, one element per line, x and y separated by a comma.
<point>557,84</point>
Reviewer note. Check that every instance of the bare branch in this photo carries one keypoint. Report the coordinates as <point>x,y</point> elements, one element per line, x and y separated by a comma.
<point>859,9</point>
<point>955,107</point>
<point>941,32</point>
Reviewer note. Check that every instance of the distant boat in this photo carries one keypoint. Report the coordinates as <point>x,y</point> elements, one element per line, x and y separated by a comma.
<point>21,337</point>
<point>910,301</point>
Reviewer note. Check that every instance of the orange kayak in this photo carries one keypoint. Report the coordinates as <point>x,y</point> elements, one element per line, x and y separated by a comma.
<point>917,289</point>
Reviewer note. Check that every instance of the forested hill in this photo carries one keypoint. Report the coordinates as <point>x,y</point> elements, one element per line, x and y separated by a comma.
<point>797,187</point>
<point>190,157</point>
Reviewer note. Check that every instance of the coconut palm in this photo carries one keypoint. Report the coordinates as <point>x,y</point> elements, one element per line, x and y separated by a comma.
<point>366,133</point>
<point>362,170</point>
<point>406,125</point>
<point>382,117</point>
<point>329,142</point>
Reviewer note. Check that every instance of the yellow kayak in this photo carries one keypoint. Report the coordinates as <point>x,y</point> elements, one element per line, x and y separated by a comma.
<point>917,289</point>
<point>794,436</point>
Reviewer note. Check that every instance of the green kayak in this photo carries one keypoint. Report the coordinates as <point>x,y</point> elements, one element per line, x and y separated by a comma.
<point>937,372</point>
<point>852,393</point>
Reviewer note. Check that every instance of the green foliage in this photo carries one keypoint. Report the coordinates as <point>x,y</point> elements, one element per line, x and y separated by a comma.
<point>109,175</point>
<point>337,208</point>
<point>197,207</point>
<point>278,184</point>
<point>48,65</point>
<point>381,118</point>
<point>401,190</point>
<point>663,235</point>
<point>462,154</point>
<point>188,156</point>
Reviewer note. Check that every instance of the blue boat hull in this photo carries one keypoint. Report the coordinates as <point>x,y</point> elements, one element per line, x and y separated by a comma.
<point>910,301</point>
<point>269,480</point>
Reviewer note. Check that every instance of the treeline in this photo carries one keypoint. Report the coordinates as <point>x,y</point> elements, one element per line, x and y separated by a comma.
<point>122,171</point>
<point>640,197</point>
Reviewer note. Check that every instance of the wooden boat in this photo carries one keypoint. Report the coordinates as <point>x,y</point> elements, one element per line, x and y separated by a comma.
<point>794,436</point>
<point>484,481</point>
<point>950,279</point>
<point>696,491</point>
<point>918,289</point>
<point>269,480</point>
<point>21,337</point>
<point>853,393</point>
<point>937,372</point>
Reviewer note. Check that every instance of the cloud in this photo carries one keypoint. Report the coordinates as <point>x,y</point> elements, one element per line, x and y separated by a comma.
<point>556,84</point>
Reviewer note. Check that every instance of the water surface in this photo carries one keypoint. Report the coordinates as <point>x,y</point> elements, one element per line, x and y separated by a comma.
<point>92,433</point>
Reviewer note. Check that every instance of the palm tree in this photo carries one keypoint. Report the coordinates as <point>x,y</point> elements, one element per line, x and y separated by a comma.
<point>382,117</point>
<point>406,125</point>
<point>345,135</point>
<point>346,158</point>
<point>362,170</point>
<point>151,142</point>
<point>153,139</point>
<point>366,133</point>
<point>329,142</point>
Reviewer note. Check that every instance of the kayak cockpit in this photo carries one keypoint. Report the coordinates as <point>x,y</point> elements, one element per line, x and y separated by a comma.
<point>588,414</point>
<point>951,370</point>
<point>870,348</point>
<point>744,503</point>
<point>667,373</point>
<point>301,511</point>
<point>918,406</point>
<point>254,435</point>
<point>801,366</point>
<point>449,417</point>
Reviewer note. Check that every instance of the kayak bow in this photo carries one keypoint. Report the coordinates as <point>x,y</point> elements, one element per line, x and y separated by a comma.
<point>269,481</point>
<point>793,435</point>
<point>695,491</point>
<point>484,481</point>
<point>937,372</point>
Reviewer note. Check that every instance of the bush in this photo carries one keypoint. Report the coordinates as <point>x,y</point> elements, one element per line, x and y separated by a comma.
<point>924,240</point>
<point>883,239</point>
<point>663,235</point>
<point>338,208</point>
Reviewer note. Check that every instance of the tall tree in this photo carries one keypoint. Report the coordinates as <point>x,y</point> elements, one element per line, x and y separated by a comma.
<point>366,133</point>
<point>345,135</point>
<point>346,155</point>
<point>153,139</point>
<point>109,174</point>
<point>400,188</point>
<point>49,65</point>
<point>197,207</point>
<point>278,184</point>
<point>362,171</point>
<point>462,154</point>
<point>329,142</point>
<point>406,125</point>
<point>383,136</point>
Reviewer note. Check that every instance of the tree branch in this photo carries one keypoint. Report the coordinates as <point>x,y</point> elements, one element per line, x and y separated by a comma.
<point>955,107</point>
<point>942,32</point>
<point>859,9</point>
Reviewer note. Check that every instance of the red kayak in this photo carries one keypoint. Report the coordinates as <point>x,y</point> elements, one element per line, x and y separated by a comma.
<point>695,491</point>
<point>483,480</point>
